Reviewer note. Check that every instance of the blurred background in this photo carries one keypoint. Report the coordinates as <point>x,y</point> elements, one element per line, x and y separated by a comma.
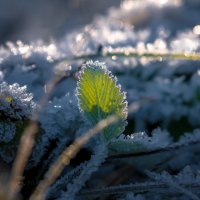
<point>42,19</point>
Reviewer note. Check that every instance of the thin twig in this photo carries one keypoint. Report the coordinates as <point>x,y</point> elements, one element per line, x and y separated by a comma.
<point>66,156</point>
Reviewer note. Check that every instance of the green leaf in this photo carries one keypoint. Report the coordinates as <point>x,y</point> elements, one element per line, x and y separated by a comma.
<point>99,97</point>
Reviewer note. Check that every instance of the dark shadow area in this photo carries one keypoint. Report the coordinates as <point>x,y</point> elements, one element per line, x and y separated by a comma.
<point>32,20</point>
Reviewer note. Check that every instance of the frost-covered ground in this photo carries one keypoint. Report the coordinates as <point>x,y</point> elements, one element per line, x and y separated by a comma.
<point>157,157</point>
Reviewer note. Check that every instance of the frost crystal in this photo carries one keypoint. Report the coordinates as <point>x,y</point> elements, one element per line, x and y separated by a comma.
<point>58,122</point>
<point>15,102</point>
<point>16,107</point>
<point>140,142</point>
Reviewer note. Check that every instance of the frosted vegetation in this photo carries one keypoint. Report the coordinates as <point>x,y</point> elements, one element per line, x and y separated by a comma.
<point>153,48</point>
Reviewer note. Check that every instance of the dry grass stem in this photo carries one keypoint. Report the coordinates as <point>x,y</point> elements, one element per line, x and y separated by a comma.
<point>27,142</point>
<point>126,53</point>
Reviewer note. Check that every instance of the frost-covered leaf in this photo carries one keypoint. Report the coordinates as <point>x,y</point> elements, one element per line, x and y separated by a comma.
<point>100,97</point>
<point>58,122</point>
<point>16,107</point>
<point>15,102</point>
<point>140,142</point>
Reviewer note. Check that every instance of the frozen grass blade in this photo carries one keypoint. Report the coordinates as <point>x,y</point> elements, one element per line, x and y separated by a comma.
<point>141,188</point>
